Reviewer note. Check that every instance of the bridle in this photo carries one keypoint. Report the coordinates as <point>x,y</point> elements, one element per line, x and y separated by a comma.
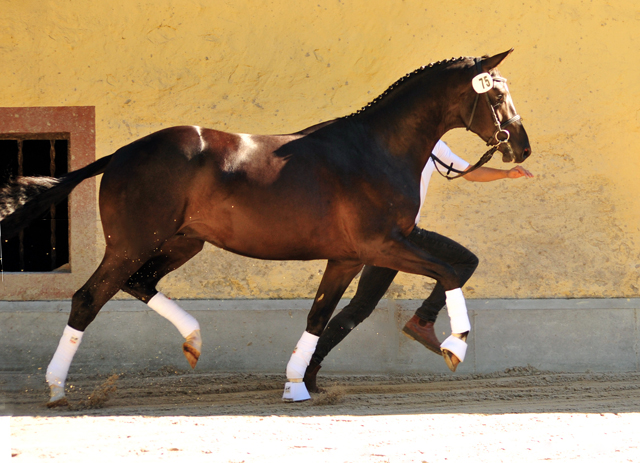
<point>500,135</point>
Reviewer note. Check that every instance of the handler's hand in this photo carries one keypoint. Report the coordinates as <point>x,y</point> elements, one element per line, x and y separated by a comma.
<point>518,172</point>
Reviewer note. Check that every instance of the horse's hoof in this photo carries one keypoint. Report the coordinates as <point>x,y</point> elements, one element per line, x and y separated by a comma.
<point>191,348</point>
<point>57,397</point>
<point>450,359</point>
<point>295,391</point>
<point>63,402</point>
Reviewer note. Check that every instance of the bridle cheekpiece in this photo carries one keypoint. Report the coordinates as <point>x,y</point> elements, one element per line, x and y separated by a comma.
<point>482,83</point>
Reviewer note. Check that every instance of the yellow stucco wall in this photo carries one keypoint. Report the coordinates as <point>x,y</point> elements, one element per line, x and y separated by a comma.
<point>275,66</point>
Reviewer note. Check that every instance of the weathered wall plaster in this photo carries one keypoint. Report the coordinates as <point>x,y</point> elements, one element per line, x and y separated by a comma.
<point>276,66</point>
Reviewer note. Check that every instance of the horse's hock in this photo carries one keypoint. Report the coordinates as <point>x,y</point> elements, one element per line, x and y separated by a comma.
<point>573,335</point>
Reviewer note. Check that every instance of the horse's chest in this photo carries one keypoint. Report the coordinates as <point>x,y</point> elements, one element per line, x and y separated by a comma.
<point>399,192</point>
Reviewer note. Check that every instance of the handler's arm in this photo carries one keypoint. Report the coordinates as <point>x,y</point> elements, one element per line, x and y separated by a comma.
<point>489,174</point>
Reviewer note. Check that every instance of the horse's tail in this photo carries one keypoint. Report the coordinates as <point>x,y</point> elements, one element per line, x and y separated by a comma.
<point>24,199</point>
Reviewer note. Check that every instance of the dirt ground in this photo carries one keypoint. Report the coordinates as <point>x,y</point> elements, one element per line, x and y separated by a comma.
<point>517,415</point>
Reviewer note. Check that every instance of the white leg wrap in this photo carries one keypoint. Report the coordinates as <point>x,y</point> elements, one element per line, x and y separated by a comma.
<point>301,356</point>
<point>455,345</point>
<point>457,309</point>
<point>294,389</point>
<point>182,320</point>
<point>61,361</point>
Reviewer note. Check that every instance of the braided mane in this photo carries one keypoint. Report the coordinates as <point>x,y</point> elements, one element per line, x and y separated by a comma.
<point>405,79</point>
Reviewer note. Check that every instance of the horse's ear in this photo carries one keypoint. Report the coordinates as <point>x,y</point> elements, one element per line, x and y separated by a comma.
<point>492,62</point>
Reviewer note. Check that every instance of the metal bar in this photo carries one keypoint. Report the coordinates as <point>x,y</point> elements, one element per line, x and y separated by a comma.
<point>35,136</point>
<point>21,234</point>
<point>52,170</point>
<point>23,162</point>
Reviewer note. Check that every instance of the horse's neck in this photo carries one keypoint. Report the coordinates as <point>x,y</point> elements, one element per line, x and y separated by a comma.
<point>410,126</point>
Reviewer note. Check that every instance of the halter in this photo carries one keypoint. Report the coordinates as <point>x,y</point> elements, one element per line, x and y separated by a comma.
<point>500,132</point>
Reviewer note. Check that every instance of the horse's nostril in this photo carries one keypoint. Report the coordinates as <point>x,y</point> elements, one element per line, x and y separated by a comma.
<point>526,153</point>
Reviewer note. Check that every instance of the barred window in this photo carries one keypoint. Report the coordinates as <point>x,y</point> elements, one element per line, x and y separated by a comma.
<point>44,245</point>
<point>55,255</point>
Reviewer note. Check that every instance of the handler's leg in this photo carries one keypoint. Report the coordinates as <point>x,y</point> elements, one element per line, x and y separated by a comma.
<point>420,326</point>
<point>374,282</point>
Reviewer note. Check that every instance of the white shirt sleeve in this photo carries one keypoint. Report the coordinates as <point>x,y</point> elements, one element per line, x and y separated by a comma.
<point>444,153</point>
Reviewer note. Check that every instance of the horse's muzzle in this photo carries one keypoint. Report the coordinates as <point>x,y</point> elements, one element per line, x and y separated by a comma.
<point>518,147</point>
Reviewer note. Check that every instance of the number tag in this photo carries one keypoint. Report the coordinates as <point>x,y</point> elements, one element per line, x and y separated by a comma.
<point>482,83</point>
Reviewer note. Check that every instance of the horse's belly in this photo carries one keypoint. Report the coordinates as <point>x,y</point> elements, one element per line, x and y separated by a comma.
<point>275,237</point>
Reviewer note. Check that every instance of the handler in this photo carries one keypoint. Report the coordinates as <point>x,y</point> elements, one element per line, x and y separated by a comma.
<point>375,281</point>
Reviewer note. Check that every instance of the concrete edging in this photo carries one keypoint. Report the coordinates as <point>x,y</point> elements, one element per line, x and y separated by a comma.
<point>258,336</point>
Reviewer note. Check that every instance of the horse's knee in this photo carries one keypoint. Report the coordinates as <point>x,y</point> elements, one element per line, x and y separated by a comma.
<point>467,268</point>
<point>450,283</point>
<point>472,262</point>
<point>447,276</point>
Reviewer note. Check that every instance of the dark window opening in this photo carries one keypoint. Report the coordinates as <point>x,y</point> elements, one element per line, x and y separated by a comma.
<point>44,245</point>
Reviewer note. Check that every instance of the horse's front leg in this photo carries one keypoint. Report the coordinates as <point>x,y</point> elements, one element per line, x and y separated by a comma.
<point>335,281</point>
<point>412,254</point>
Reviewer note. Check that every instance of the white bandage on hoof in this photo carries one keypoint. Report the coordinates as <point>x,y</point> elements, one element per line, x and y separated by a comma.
<point>61,361</point>
<point>182,320</point>
<point>294,389</point>
<point>295,392</point>
<point>457,309</point>
<point>456,346</point>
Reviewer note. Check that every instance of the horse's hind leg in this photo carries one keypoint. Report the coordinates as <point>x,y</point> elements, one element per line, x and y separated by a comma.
<point>335,281</point>
<point>142,285</point>
<point>105,282</point>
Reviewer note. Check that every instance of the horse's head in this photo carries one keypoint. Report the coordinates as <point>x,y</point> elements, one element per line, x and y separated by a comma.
<point>491,113</point>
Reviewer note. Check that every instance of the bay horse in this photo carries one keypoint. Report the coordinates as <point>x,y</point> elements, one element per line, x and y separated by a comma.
<point>346,190</point>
